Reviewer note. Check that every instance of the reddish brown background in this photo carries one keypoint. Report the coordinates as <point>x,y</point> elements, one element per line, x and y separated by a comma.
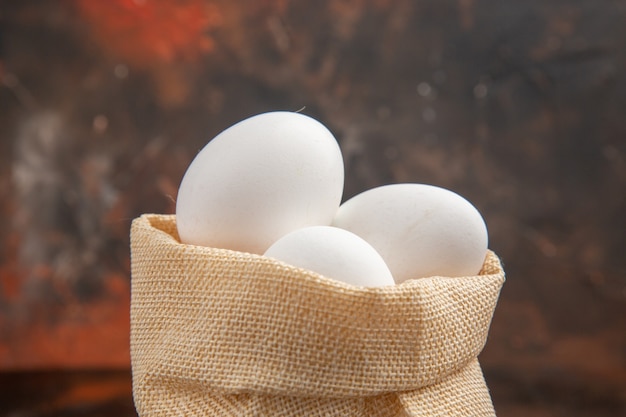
<point>517,105</point>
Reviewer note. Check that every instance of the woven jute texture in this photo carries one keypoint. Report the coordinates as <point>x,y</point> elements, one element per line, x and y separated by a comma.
<point>220,333</point>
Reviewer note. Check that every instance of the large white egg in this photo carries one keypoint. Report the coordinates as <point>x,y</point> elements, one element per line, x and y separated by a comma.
<point>334,253</point>
<point>419,230</point>
<point>259,180</point>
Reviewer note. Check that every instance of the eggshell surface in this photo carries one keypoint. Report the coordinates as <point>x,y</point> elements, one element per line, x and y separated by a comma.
<point>334,253</point>
<point>420,230</point>
<point>258,180</point>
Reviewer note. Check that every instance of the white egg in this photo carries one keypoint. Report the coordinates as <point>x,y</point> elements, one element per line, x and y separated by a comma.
<point>259,180</point>
<point>334,253</point>
<point>419,230</point>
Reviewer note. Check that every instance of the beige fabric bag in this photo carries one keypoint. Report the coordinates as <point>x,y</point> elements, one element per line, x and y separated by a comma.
<point>223,333</point>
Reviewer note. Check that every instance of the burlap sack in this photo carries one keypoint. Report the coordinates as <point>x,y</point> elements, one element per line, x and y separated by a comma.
<point>222,333</point>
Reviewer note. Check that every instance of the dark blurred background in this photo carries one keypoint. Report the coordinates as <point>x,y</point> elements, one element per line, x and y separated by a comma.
<point>517,105</point>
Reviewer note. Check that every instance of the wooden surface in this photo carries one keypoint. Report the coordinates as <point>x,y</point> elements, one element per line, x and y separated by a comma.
<point>516,105</point>
<point>108,393</point>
